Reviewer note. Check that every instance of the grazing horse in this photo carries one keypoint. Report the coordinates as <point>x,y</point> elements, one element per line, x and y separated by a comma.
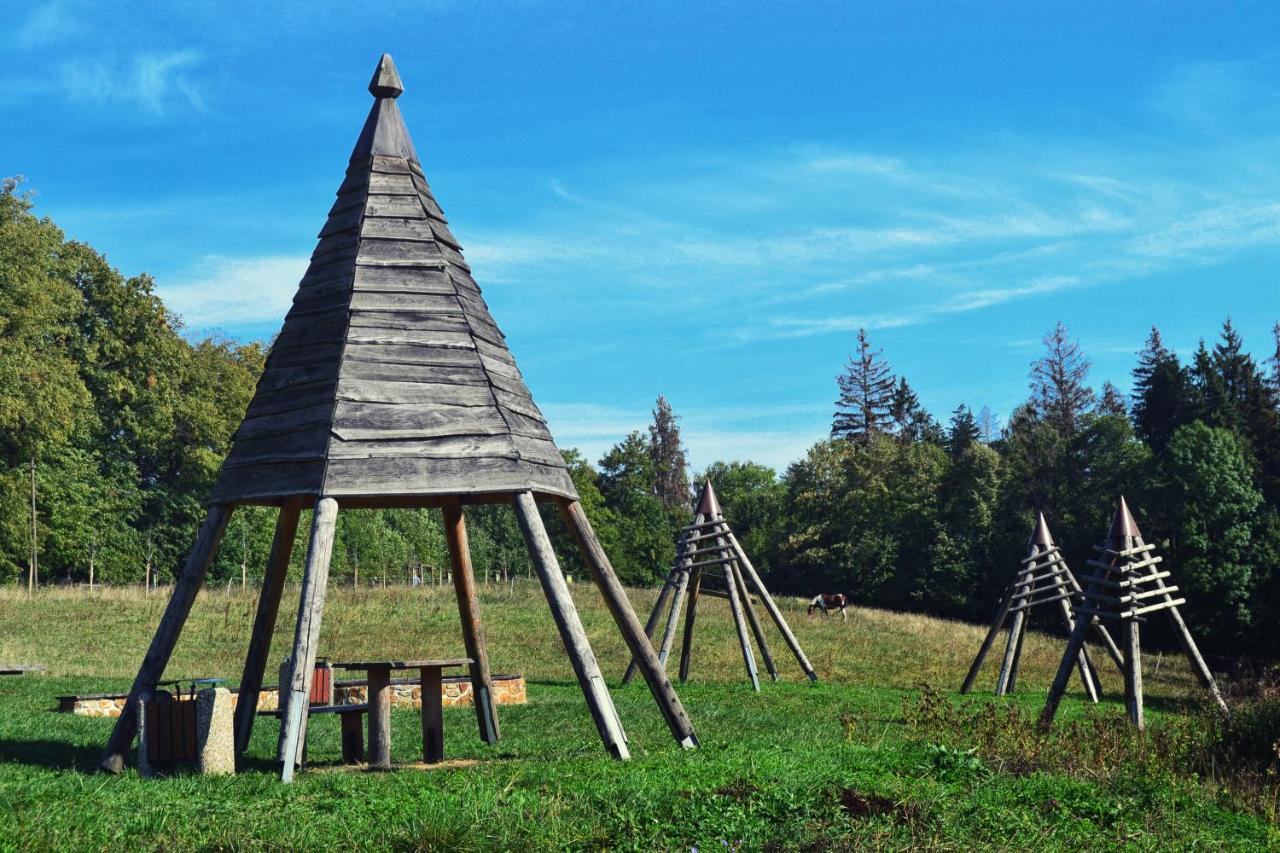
<point>828,601</point>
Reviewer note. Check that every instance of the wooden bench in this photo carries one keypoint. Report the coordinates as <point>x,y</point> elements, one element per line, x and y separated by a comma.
<point>352,728</point>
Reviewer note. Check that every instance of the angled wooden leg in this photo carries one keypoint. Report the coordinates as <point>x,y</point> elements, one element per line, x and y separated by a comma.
<point>1074,644</point>
<point>650,625</point>
<point>1193,654</point>
<point>615,598</point>
<point>572,633</point>
<point>673,618</point>
<point>987,642</point>
<point>1015,638</point>
<point>740,623</point>
<point>754,621</point>
<point>1104,636</point>
<point>1017,658</point>
<point>771,607</point>
<point>1133,671</point>
<point>1083,663</point>
<point>306,637</point>
<point>690,613</point>
<point>464,586</point>
<point>264,623</point>
<point>166,636</point>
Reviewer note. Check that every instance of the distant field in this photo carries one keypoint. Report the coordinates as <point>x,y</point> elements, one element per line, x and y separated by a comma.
<point>857,760</point>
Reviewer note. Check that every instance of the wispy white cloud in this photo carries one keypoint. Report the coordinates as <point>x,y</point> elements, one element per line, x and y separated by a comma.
<point>236,291</point>
<point>151,82</point>
<point>47,24</point>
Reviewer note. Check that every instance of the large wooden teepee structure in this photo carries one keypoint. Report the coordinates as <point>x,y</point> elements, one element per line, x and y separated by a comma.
<point>1125,585</point>
<point>390,385</point>
<point>709,552</point>
<point>1044,579</point>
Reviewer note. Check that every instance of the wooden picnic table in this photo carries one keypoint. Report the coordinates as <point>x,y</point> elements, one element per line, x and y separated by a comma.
<point>379,677</point>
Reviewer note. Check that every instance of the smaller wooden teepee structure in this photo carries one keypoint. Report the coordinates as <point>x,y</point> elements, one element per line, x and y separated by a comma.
<point>1125,585</point>
<point>710,561</point>
<point>1043,579</point>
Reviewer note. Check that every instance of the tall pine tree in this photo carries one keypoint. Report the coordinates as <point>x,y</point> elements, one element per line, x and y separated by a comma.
<point>666,453</point>
<point>1058,388</point>
<point>866,395</point>
<point>964,431</point>
<point>1163,399</point>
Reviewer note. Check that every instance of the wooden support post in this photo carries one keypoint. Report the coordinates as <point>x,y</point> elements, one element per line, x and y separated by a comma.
<point>772,608</point>
<point>673,619</point>
<point>615,598</point>
<point>166,636</point>
<point>306,637</point>
<point>432,716</point>
<point>740,623</point>
<point>379,696</point>
<point>1010,651</point>
<point>1083,663</point>
<point>1074,644</point>
<point>464,586</point>
<point>1103,634</point>
<point>264,622</point>
<point>1017,658</point>
<point>1193,654</point>
<point>1133,672</point>
<point>987,642</point>
<point>690,613</point>
<point>572,633</point>
<point>650,625</point>
<point>753,620</point>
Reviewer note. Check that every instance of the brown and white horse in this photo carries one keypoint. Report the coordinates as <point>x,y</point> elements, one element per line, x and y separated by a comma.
<point>828,601</point>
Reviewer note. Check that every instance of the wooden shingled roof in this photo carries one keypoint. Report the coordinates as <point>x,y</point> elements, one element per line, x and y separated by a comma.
<point>390,380</point>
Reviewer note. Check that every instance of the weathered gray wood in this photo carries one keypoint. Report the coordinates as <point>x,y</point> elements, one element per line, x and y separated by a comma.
<point>445,447</point>
<point>996,624</point>
<point>572,633</point>
<point>276,479</point>
<point>388,354</point>
<point>673,620</point>
<point>387,300</point>
<point>464,585</point>
<point>378,476</point>
<point>1059,687</point>
<point>433,279</point>
<point>379,692</point>
<point>615,598</point>
<point>1083,663</point>
<point>400,206</point>
<point>1198,664</point>
<point>663,595</point>
<point>690,614</point>
<point>1010,648</point>
<point>740,625</point>
<point>432,716</point>
<point>306,637</point>
<point>264,623</point>
<point>166,636</point>
<point>454,375</point>
<point>772,608</point>
<point>409,393</point>
<point>754,621</point>
<point>356,420</point>
<point>372,322</point>
<point>1133,673</point>
<point>1017,658</point>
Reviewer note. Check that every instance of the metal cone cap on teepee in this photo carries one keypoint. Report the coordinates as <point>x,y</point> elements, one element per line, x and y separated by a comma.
<point>390,379</point>
<point>1040,535</point>
<point>1124,530</point>
<point>708,504</point>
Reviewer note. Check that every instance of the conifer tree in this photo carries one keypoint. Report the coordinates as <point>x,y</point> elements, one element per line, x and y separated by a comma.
<point>1163,399</point>
<point>666,453</point>
<point>964,431</point>
<point>1112,401</point>
<point>866,395</point>
<point>988,428</point>
<point>1058,387</point>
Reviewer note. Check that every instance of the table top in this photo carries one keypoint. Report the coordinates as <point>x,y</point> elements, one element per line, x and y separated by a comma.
<point>403,664</point>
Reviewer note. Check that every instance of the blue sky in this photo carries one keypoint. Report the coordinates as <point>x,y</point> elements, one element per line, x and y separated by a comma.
<point>704,200</point>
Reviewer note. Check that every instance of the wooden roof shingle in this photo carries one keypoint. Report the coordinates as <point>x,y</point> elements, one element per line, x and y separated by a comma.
<point>390,379</point>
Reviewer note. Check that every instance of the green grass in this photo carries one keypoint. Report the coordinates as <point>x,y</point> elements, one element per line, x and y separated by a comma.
<point>852,762</point>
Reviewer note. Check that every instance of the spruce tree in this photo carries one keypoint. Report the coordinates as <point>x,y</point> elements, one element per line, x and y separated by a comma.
<point>1058,385</point>
<point>667,456</point>
<point>866,395</point>
<point>1112,401</point>
<point>1163,398</point>
<point>964,431</point>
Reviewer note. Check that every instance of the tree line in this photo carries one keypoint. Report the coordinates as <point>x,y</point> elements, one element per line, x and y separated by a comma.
<point>113,426</point>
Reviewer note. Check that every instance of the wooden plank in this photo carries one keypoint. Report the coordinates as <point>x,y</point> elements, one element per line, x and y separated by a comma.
<point>354,420</point>
<point>277,378</point>
<point>350,198</point>
<point>393,228</point>
<point>306,637</point>
<point>377,391</point>
<point>367,300</point>
<point>167,634</point>
<point>374,252</point>
<point>402,320</point>
<point>448,447</point>
<point>524,425</point>
<point>387,354</point>
<point>757,630</point>
<point>771,607</point>
<point>304,444</point>
<point>453,256</point>
<point>539,450</point>
<point>483,329</point>
<point>452,374</point>
<point>275,479</point>
<point>464,586</point>
<point>1133,673</point>
<point>292,398</point>
<point>400,206</point>
<point>399,183</point>
<point>428,199</point>
<point>496,352</point>
<point>425,279</point>
<point>570,627</point>
<point>356,177</point>
<point>264,623</point>
<point>442,232</point>
<point>286,423</point>
<point>498,366</point>
<point>413,337</point>
<point>394,165</point>
<point>334,246</point>
<point>509,384</point>
<point>366,477</point>
<point>343,221</point>
<point>297,356</point>
<point>519,403</point>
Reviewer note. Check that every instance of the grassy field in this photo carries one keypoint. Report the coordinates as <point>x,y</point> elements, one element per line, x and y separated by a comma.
<point>880,754</point>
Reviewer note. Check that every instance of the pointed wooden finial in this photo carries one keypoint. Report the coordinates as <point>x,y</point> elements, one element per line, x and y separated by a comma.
<point>708,504</point>
<point>386,80</point>
<point>1123,528</point>
<point>1041,535</point>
